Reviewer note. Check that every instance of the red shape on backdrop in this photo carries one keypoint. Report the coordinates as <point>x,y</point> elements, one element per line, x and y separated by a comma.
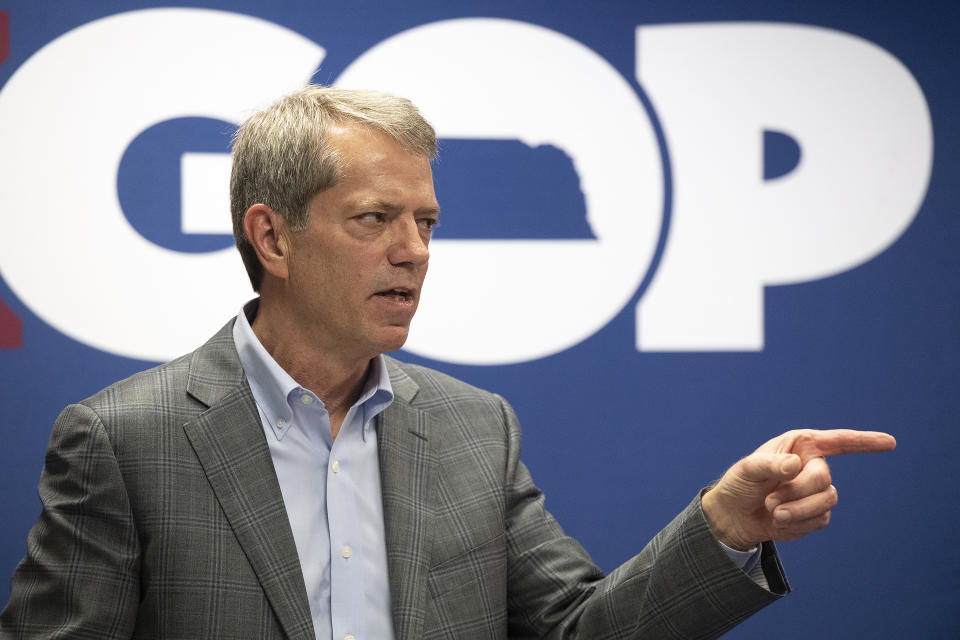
<point>4,35</point>
<point>11,329</point>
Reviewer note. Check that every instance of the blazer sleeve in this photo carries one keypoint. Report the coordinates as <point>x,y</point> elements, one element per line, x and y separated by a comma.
<point>681,585</point>
<point>79,578</point>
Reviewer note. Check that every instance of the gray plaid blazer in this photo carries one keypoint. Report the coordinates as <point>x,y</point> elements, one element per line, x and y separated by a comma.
<point>163,518</point>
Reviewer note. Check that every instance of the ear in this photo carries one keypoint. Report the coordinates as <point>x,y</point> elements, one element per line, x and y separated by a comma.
<point>266,231</point>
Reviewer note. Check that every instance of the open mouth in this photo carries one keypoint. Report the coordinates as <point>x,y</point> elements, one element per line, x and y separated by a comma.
<point>400,295</point>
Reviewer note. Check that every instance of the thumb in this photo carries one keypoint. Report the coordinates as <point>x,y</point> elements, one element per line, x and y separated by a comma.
<point>765,467</point>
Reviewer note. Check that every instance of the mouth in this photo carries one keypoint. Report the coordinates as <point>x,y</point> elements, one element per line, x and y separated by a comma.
<point>398,294</point>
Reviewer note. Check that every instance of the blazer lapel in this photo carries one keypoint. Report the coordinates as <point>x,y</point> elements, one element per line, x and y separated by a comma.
<point>407,468</point>
<point>229,442</point>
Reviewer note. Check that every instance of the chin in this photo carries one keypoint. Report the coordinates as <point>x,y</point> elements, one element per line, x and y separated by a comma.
<point>392,339</point>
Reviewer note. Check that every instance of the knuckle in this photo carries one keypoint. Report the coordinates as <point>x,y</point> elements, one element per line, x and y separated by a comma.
<point>832,497</point>
<point>822,480</point>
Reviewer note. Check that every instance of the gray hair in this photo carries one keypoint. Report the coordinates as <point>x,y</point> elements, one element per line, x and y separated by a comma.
<point>282,155</point>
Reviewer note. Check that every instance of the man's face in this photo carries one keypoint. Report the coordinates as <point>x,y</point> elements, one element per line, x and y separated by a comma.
<point>356,272</point>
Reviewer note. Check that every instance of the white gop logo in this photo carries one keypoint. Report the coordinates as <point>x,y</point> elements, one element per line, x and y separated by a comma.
<point>69,112</point>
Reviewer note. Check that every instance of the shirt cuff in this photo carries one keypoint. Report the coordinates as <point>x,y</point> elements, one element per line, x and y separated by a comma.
<point>745,560</point>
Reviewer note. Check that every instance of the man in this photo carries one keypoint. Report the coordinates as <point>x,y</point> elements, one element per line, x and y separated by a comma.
<point>288,480</point>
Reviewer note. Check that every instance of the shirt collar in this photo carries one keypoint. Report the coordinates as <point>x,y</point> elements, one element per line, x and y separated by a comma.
<point>272,387</point>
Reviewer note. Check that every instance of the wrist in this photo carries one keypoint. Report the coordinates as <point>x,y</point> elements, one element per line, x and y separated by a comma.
<point>722,526</point>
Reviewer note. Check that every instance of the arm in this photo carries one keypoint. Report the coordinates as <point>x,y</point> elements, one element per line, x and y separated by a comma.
<point>681,585</point>
<point>79,578</point>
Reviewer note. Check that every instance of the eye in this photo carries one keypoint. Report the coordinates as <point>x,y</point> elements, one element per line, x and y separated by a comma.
<point>372,217</point>
<point>429,224</point>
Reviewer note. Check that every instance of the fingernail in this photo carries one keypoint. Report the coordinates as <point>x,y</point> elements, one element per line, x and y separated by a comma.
<point>772,503</point>
<point>781,516</point>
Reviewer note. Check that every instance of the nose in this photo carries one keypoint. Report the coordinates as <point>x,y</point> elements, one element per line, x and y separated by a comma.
<point>409,243</point>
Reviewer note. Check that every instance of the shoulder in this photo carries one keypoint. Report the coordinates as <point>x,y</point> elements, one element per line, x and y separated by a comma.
<point>142,388</point>
<point>180,388</point>
<point>429,385</point>
<point>458,406</point>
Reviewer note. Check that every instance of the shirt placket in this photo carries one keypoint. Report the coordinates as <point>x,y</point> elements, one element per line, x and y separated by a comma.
<point>308,446</point>
<point>346,544</point>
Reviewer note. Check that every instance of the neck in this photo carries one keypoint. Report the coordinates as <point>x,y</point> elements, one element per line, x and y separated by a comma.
<point>336,378</point>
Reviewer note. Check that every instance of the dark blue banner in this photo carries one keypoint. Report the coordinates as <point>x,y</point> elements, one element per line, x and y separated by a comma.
<point>671,231</point>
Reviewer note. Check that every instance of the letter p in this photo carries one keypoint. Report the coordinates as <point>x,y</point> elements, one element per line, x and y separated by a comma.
<point>866,142</point>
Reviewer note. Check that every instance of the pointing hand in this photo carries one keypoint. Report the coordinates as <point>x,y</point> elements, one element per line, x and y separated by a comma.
<point>783,490</point>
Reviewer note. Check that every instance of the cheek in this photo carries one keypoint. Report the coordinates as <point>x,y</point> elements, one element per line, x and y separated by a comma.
<point>348,270</point>
<point>351,279</point>
<point>321,278</point>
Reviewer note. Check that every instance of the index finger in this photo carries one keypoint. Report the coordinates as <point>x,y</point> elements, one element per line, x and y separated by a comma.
<point>810,443</point>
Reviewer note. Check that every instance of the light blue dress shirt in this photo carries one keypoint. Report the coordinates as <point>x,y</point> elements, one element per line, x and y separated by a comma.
<point>331,490</point>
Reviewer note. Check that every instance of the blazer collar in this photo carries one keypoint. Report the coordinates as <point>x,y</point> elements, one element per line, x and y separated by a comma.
<point>408,461</point>
<point>404,387</point>
<point>229,442</point>
<point>215,369</point>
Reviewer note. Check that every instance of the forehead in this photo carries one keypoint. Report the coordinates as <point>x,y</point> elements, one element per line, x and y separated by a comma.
<point>363,147</point>
<point>353,141</point>
<point>376,169</point>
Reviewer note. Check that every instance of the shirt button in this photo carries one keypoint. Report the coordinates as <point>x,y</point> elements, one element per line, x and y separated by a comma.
<point>281,423</point>
<point>306,399</point>
<point>349,636</point>
<point>346,551</point>
<point>335,466</point>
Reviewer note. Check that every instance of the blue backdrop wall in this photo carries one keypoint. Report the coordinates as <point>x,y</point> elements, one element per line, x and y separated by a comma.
<point>671,230</point>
